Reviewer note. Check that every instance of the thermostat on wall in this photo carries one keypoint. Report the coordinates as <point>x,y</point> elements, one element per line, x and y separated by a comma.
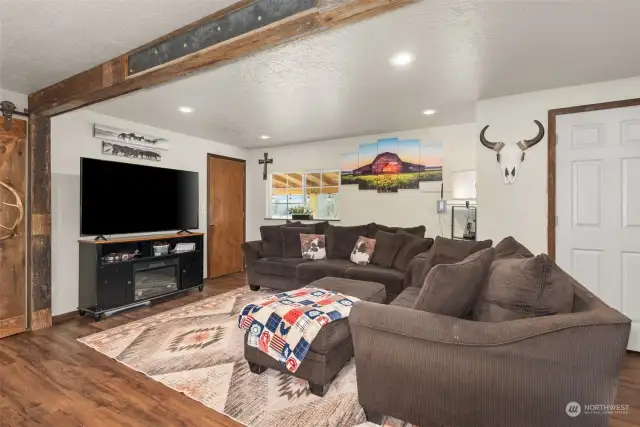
<point>442,206</point>
<point>442,203</point>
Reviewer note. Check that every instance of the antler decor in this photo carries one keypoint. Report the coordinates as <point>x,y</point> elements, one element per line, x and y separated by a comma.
<point>19,206</point>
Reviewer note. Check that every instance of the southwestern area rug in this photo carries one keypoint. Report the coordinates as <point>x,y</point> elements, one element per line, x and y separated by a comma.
<point>197,349</point>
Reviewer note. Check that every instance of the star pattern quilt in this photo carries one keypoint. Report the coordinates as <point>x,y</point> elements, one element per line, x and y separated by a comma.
<point>284,325</point>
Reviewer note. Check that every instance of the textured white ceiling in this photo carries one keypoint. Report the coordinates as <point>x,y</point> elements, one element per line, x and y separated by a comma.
<point>45,41</point>
<point>340,83</point>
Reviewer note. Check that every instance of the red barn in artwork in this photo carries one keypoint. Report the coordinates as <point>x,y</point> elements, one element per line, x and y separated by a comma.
<point>388,163</point>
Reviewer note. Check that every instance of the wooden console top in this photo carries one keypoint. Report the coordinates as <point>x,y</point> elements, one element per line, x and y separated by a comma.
<point>140,238</point>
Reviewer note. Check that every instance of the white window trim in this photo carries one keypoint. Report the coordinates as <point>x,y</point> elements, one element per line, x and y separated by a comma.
<point>304,192</point>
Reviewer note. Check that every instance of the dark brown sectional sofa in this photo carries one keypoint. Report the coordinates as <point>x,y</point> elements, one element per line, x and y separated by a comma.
<point>533,342</point>
<point>266,267</point>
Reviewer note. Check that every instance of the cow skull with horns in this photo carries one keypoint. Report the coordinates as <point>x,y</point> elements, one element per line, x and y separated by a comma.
<point>511,156</point>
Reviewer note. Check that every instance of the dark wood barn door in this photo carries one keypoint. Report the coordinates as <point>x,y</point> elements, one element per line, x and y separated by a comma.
<point>13,282</point>
<point>226,215</point>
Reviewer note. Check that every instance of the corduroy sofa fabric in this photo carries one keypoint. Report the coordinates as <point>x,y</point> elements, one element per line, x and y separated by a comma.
<point>272,272</point>
<point>318,227</point>
<point>451,289</point>
<point>341,240</point>
<point>412,247</point>
<point>443,251</point>
<point>518,288</point>
<point>434,370</point>
<point>285,267</point>
<point>272,239</point>
<point>418,231</point>
<point>511,248</point>
<point>291,246</point>
<point>387,247</point>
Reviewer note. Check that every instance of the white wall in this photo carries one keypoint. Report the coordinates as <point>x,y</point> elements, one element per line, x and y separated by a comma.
<point>71,138</point>
<point>520,210</point>
<point>405,208</point>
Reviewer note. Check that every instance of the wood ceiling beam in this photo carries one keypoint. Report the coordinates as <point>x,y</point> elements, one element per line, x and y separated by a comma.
<point>239,30</point>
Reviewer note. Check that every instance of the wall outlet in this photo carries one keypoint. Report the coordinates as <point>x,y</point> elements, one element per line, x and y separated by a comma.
<point>441,206</point>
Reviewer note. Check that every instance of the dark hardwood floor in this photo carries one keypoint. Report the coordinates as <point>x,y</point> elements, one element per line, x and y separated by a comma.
<point>47,378</point>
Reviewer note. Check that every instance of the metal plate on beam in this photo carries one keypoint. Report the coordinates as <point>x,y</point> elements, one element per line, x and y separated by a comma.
<point>241,21</point>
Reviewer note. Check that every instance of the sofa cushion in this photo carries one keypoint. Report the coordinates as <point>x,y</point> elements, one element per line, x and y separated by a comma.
<point>387,247</point>
<point>318,227</point>
<point>341,240</point>
<point>392,279</point>
<point>418,231</point>
<point>451,289</point>
<point>411,247</point>
<point>445,251</point>
<point>520,288</point>
<point>363,251</point>
<point>313,246</point>
<point>278,266</point>
<point>511,248</point>
<point>272,239</point>
<point>407,297</point>
<point>291,247</point>
<point>314,270</point>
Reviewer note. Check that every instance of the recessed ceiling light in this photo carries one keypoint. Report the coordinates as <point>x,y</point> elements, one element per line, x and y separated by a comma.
<point>186,110</point>
<point>429,112</point>
<point>402,59</point>
<point>265,137</point>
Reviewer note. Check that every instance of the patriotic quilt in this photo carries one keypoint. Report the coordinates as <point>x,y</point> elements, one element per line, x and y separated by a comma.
<point>284,325</point>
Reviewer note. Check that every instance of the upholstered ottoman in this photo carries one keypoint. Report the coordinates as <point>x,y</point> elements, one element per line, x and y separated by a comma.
<point>332,348</point>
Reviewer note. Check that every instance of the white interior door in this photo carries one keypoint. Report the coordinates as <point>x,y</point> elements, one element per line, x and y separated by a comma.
<point>598,206</point>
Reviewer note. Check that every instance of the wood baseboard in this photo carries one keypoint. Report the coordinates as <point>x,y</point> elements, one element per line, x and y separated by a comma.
<point>60,318</point>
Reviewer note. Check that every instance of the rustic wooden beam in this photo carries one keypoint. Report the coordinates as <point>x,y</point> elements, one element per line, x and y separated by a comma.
<point>244,28</point>
<point>39,219</point>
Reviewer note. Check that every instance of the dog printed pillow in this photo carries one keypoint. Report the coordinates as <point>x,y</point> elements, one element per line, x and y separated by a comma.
<point>313,246</point>
<point>363,251</point>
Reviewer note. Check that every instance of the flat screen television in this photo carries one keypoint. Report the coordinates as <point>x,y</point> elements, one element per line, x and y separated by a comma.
<point>121,198</point>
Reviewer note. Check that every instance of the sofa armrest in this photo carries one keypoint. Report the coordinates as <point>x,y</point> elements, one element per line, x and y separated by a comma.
<point>252,251</point>
<point>429,369</point>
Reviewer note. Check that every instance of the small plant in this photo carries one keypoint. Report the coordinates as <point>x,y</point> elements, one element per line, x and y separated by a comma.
<point>300,210</point>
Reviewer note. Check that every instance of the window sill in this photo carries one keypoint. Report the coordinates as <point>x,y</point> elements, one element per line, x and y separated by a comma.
<point>314,219</point>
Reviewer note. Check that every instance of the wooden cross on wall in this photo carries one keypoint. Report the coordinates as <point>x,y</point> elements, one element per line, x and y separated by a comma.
<point>266,161</point>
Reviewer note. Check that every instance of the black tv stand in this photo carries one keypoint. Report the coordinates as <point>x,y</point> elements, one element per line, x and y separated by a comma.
<point>185,231</point>
<point>108,287</point>
<point>100,237</point>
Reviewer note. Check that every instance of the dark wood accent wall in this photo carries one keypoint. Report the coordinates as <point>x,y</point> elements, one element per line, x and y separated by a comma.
<point>39,218</point>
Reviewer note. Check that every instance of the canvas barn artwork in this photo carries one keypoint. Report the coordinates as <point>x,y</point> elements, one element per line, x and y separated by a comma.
<point>129,138</point>
<point>112,149</point>
<point>391,164</point>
